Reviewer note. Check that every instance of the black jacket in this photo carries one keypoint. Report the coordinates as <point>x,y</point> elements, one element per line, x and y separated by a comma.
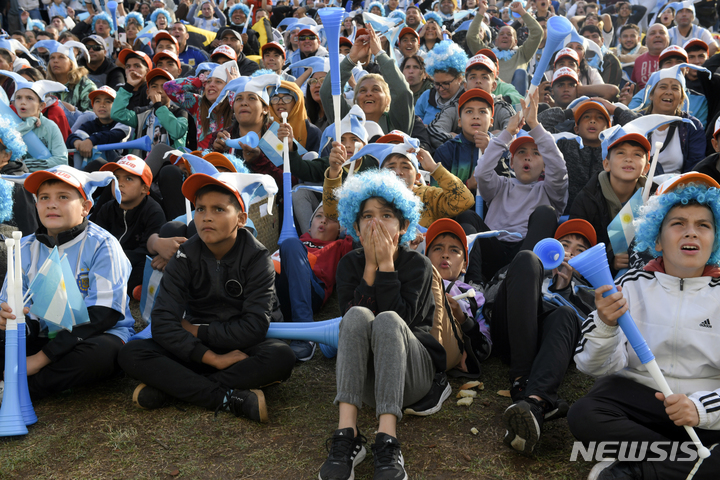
<point>133,227</point>
<point>406,291</point>
<point>24,214</point>
<point>199,286</point>
<point>709,167</point>
<point>107,74</point>
<point>246,67</point>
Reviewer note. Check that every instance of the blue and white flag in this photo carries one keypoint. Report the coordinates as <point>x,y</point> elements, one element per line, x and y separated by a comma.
<point>150,286</point>
<point>621,230</point>
<point>272,146</point>
<point>54,299</point>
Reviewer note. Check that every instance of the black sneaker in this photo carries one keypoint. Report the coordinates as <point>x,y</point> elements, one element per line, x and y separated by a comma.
<point>559,411</point>
<point>345,450</point>
<point>523,422</point>
<point>517,389</point>
<point>616,470</point>
<point>440,390</point>
<point>304,351</point>
<point>389,462</point>
<point>148,397</point>
<point>246,403</point>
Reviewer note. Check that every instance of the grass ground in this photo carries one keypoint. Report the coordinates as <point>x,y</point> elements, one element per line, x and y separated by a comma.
<point>97,433</point>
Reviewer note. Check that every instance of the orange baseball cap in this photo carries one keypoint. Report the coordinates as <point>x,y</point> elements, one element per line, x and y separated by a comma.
<point>577,226</point>
<point>219,160</point>
<point>126,52</point>
<point>591,105</point>
<point>408,31</point>
<point>477,93</point>
<point>445,225</point>
<point>131,164</point>
<point>63,173</point>
<point>165,35</point>
<point>158,72</point>
<point>521,140</point>
<point>104,90</point>
<point>167,54</point>
<point>196,181</point>
<point>273,46</point>
<point>683,179</point>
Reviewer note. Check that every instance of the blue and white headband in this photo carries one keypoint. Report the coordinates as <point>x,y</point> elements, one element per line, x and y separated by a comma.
<point>672,72</point>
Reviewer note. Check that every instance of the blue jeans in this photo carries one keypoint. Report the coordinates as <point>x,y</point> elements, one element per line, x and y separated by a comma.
<point>520,81</point>
<point>300,292</point>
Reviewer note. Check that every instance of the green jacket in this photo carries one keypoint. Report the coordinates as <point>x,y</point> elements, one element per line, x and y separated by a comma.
<point>176,127</point>
<point>401,115</point>
<point>79,94</point>
<point>49,134</point>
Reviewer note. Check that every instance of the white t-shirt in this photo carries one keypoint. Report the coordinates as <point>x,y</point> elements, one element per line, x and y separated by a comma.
<point>695,32</point>
<point>671,158</point>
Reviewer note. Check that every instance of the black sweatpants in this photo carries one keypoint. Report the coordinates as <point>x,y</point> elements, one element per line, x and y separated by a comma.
<point>620,409</point>
<point>493,254</point>
<point>536,343</point>
<point>270,361</point>
<point>91,360</point>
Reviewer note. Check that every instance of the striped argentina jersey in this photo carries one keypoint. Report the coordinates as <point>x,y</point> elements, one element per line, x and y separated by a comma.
<point>101,273</point>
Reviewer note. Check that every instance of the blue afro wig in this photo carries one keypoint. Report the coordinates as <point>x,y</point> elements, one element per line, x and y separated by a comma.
<point>163,12</point>
<point>377,183</point>
<point>647,227</point>
<point>446,57</point>
<point>137,17</point>
<point>103,16</point>
<point>262,71</point>
<point>12,139</point>
<point>434,17</point>
<point>39,24</point>
<point>397,14</point>
<point>238,6</point>
<point>377,4</point>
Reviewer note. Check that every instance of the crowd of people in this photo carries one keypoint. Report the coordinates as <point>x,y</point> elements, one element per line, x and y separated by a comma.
<point>450,166</point>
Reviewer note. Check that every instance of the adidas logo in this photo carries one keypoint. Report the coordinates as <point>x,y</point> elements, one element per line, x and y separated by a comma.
<point>706,324</point>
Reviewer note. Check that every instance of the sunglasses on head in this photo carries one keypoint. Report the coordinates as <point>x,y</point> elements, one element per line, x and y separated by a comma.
<point>95,48</point>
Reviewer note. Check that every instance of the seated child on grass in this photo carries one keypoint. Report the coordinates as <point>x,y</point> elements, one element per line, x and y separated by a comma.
<point>674,305</point>
<point>626,153</point>
<point>387,357</point>
<point>137,216</point>
<point>537,338</point>
<point>29,102</point>
<point>525,204</point>
<point>102,130</point>
<point>212,312</point>
<point>307,274</point>
<point>88,353</point>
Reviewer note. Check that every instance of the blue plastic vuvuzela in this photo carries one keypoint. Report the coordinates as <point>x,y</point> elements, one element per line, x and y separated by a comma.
<point>332,20</point>
<point>593,265</point>
<point>557,29</point>
<point>550,252</point>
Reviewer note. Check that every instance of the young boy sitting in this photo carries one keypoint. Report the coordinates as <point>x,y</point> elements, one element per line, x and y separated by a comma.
<point>212,312</point>
<point>163,121</point>
<point>29,102</point>
<point>102,130</point>
<point>137,216</point>
<point>591,118</point>
<point>524,204</point>
<point>88,353</point>
<point>537,338</point>
<point>387,357</point>
<point>307,274</point>
<point>626,154</point>
<point>459,155</point>
<point>673,302</point>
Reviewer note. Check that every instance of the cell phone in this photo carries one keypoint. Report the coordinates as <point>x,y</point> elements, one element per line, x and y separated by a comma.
<point>123,37</point>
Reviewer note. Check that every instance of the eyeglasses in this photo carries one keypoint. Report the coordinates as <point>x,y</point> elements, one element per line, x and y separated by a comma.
<point>443,85</point>
<point>316,81</point>
<point>307,37</point>
<point>95,48</point>
<point>286,99</point>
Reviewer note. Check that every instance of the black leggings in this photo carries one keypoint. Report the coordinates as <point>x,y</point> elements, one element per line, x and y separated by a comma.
<point>493,254</point>
<point>536,343</point>
<point>619,409</point>
<point>270,361</point>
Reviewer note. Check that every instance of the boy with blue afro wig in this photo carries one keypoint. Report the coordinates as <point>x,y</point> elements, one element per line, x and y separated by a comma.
<point>238,20</point>
<point>386,354</point>
<point>674,305</point>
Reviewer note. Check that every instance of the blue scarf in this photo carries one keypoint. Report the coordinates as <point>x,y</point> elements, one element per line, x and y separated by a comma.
<point>504,54</point>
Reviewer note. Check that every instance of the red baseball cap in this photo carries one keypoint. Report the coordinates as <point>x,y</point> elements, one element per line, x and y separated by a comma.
<point>477,93</point>
<point>167,54</point>
<point>408,31</point>
<point>481,60</point>
<point>565,72</point>
<point>567,52</point>
<point>273,46</point>
<point>133,165</point>
<point>673,51</point>
<point>224,50</point>
<point>445,225</point>
<point>158,72</point>
<point>126,52</point>
<point>577,226</point>
<point>395,136</point>
<point>104,90</point>
<point>165,35</point>
<point>696,42</point>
